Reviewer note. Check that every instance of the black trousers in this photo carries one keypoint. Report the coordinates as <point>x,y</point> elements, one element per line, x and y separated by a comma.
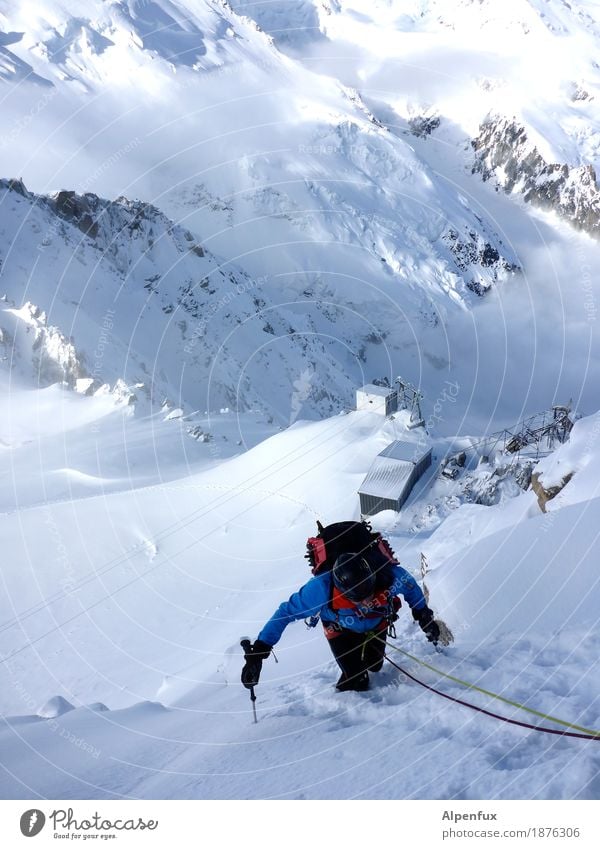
<point>357,653</point>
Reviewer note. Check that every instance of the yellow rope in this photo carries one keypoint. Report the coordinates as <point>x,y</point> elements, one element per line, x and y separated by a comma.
<point>495,695</point>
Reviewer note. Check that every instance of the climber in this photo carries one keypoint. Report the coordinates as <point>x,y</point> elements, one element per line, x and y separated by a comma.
<point>357,602</point>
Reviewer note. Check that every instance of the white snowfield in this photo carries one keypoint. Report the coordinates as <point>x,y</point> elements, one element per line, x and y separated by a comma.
<point>124,606</point>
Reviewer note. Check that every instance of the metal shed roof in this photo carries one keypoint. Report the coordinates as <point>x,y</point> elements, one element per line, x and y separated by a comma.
<point>400,450</point>
<point>387,477</point>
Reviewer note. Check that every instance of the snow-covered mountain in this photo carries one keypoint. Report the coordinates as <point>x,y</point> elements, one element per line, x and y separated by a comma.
<point>142,300</point>
<point>344,185</point>
<point>499,74</point>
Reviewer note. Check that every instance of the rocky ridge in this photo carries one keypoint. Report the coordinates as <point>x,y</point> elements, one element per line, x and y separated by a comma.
<point>504,152</point>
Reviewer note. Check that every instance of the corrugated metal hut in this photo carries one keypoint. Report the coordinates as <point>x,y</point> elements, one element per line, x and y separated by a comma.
<point>392,476</point>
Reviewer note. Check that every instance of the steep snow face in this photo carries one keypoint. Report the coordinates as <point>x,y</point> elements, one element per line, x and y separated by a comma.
<point>140,696</point>
<point>533,558</point>
<point>576,462</point>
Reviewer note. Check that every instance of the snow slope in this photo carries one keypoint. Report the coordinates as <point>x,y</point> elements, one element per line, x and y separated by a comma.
<point>172,575</point>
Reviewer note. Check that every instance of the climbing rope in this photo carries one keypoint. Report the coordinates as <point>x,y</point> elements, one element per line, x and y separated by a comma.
<point>588,733</point>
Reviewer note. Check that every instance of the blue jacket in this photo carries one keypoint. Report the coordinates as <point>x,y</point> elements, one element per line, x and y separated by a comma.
<point>314,598</point>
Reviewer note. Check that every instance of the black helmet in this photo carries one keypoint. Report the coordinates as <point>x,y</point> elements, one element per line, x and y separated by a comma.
<point>353,576</point>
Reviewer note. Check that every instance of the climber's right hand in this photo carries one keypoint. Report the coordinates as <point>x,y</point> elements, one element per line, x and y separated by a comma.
<point>254,657</point>
<point>435,630</point>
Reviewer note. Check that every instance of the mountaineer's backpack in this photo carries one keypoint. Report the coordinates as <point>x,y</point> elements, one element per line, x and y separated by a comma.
<point>352,538</point>
<point>347,538</point>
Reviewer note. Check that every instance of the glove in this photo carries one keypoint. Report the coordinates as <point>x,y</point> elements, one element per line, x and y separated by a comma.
<point>259,651</point>
<point>427,623</point>
<point>435,630</point>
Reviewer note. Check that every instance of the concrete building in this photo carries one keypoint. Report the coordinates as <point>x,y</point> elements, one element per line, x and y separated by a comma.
<point>377,399</point>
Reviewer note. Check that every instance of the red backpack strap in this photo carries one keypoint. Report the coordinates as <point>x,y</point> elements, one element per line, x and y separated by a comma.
<point>317,553</point>
<point>386,549</point>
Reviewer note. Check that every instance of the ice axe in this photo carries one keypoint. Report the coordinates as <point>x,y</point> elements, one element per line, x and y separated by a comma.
<point>247,648</point>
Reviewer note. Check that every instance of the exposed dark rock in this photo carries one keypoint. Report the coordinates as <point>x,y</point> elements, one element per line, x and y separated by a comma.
<point>500,482</point>
<point>424,125</point>
<point>546,494</point>
<point>79,209</point>
<point>579,93</point>
<point>503,151</point>
<point>17,186</point>
<point>188,300</point>
<point>470,252</point>
<point>489,256</point>
<point>113,224</point>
